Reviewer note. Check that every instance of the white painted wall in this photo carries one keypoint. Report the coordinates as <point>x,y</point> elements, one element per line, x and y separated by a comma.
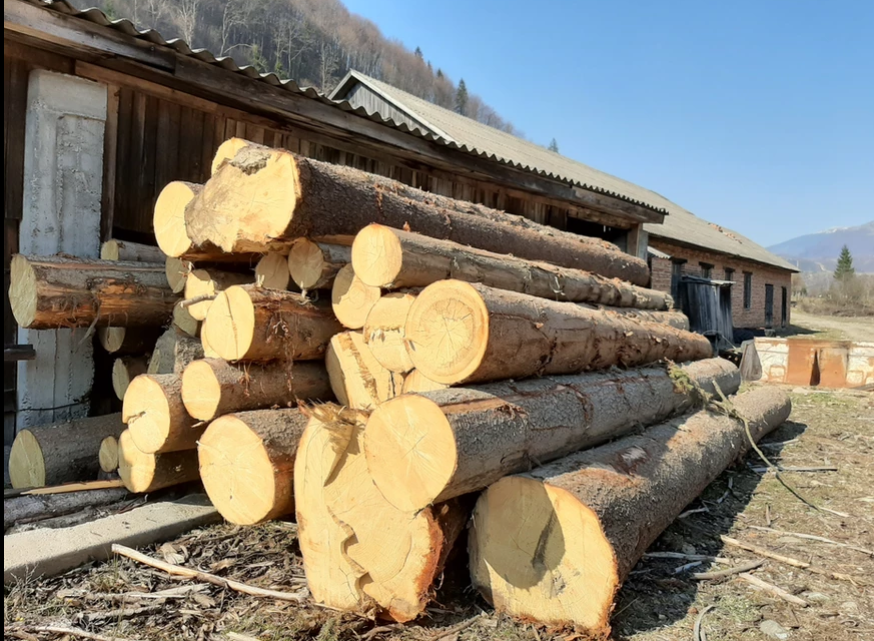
<point>63,181</point>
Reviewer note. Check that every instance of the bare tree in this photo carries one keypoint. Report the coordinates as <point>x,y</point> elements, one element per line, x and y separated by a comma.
<point>186,13</point>
<point>233,16</point>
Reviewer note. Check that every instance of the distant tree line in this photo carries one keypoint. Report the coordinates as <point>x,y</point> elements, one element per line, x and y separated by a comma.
<point>314,42</point>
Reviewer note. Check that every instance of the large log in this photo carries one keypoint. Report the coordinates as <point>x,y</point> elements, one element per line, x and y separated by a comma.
<point>174,351</point>
<point>317,200</point>
<point>467,333</point>
<point>130,252</point>
<point>358,380</point>
<point>384,331</point>
<point>62,453</point>
<point>247,323</point>
<point>213,388</point>
<point>120,341</point>
<point>315,265</point>
<point>31,508</point>
<point>472,437</point>
<point>60,291</point>
<point>352,299</point>
<point>156,417</point>
<point>203,285</point>
<point>394,259</point>
<point>142,473</point>
<point>554,545</point>
<point>126,369</point>
<point>247,464</point>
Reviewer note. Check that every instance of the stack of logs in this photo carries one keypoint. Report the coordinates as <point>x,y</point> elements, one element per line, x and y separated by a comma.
<point>478,363</point>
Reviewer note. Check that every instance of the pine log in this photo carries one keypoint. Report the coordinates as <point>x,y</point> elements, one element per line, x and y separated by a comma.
<point>122,341</point>
<point>126,369</point>
<point>318,200</point>
<point>358,380</point>
<point>226,152</point>
<point>247,323</point>
<point>185,322</point>
<point>416,382</point>
<point>213,388</point>
<point>384,331</point>
<point>177,271</point>
<point>555,544</point>
<point>204,285</point>
<point>124,251</point>
<point>62,453</point>
<point>174,351</point>
<point>107,456</point>
<point>156,417</point>
<point>247,464</point>
<point>60,291</point>
<point>142,473</point>
<point>394,259</point>
<point>472,437</point>
<point>674,318</point>
<point>467,333</point>
<point>315,265</point>
<point>32,508</point>
<point>272,272</point>
<point>351,299</point>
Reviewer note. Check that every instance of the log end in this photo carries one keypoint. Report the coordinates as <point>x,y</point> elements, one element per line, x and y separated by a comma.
<point>120,378</point>
<point>201,286</point>
<point>109,250</point>
<point>136,469</point>
<point>226,152</point>
<point>352,299</point>
<point>111,338</point>
<point>230,325</point>
<point>27,466</point>
<point>169,218</point>
<point>23,291</point>
<point>185,322</point>
<point>384,331</point>
<point>306,263</point>
<point>177,271</point>
<point>447,331</point>
<point>411,451</point>
<point>377,255</point>
<point>146,412</point>
<point>272,272</point>
<point>108,454</point>
<point>538,553</point>
<point>201,391</point>
<point>416,383</point>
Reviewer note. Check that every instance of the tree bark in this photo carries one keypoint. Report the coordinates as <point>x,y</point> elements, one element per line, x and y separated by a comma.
<point>123,342</point>
<point>156,417</point>
<point>467,333</point>
<point>317,200</point>
<point>351,299</point>
<point>358,380</point>
<point>62,453</point>
<point>174,351</point>
<point>250,324</point>
<point>59,291</point>
<point>143,473</point>
<point>394,259</point>
<point>247,464</point>
<point>108,455</point>
<point>473,437</point>
<point>272,272</point>
<point>31,508</point>
<point>121,250</point>
<point>554,545</point>
<point>384,331</point>
<point>213,388</point>
<point>315,265</point>
<point>204,285</point>
<point>126,369</point>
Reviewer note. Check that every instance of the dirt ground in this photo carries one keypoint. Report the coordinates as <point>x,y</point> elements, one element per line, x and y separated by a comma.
<point>658,603</point>
<point>860,329</point>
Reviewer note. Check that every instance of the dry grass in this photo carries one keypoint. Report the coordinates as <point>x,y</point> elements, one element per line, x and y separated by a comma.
<point>655,605</point>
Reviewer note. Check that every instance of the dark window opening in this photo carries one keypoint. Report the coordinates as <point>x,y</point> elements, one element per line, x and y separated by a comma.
<point>769,305</point>
<point>748,290</point>
<point>784,310</point>
<point>706,270</point>
<point>676,276</point>
<point>729,274</point>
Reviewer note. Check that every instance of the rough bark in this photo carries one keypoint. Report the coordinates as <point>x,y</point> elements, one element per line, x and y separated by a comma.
<point>472,437</point>
<point>467,333</point>
<point>358,380</point>
<point>555,544</point>
<point>247,464</point>
<point>272,272</point>
<point>250,324</point>
<point>394,259</point>
<point>108,455</point>
<point>312,199</point>
<point>315,265</point>
<point>174,351</point>
<point>213,388</point>
<point>30,508</point>
<point>62,453</point>
<point>122,341</point>
<point>142,473</point>
<point>130,252</point>
<point>204,285</point>
<point>156,417</point>
<point>384,331</point>
<point>416,382</point>
<point>59,291</point>
<point>126,369</point>
<point>351,299</point>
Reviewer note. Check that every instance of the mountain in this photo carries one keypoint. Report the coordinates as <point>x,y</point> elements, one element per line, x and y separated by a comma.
<point>819,252</point>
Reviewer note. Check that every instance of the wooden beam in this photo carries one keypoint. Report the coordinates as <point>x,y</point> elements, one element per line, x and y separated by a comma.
<point>15,353</point>
<point>110,162</point>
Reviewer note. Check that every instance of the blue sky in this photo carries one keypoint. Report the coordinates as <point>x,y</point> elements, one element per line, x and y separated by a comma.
<point>755,115</point>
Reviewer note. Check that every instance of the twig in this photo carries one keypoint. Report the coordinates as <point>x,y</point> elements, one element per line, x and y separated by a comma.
<point>203,577</point>
<point>125,597</point>
<point>768,515</point>
<point>788,560</point>
<point>197,299</point>
<point>773,589</point>
<point>382,630</point>
<point>811,537</point>
<point>687,567</point>
<point>689,513</point>
<point>780,468</point>
<point>679,556</point>
<point>75,632</point>
<point>116,615</point>
<point>699,634</point>
<point>721,574</point>
<point>233,636</point>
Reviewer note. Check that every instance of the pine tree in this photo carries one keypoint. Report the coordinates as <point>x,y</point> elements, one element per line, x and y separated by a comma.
<point>845,270</point>
<point>419,53</point>
<point>440,74</point>
<point>553,146</point>
<point>461,97</point>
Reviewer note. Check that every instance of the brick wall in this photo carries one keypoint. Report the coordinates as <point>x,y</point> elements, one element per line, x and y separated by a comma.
<point>762,275</point>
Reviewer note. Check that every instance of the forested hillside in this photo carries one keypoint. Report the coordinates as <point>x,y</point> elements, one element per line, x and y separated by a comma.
<point>314,42</point>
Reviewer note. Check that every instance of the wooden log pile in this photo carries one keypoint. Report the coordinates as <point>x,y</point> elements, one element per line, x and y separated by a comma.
<point>432,352</point>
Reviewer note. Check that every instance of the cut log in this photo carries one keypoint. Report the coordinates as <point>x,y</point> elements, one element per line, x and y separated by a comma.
<point>174,351</point>
<point>142,473</point>
<point>315,265</point>
<point>415,382</point>
<point>357,378</point>
<point>204,285</point>
<point>467,333</point>
<point>272,272</point>
<point>169,218</point>
<point>226,152</point>
<point>318,200</point>
<point>32,508</point>
<point>674,318</point>
<point>251,324</point>
<point>177,271</point>
<point>130,252</point>
<point>394,259</point>
<point>554,545</point>
<point>213,388</point>
<point>108,454</point>
<point>58,291</point>
<point>123,342</point>
<point>352,300</point>
<point>126,369</point>
<point>185,322</point>
<point>384,331</point>
<point>156,417</point>
<point>247,464</point>
<point>62,453</point>
<point>428,448</point>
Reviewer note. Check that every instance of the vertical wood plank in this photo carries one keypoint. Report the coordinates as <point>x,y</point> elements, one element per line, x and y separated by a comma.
<point>123,214</point>
<point>151,145</point>
<point>110,162</point>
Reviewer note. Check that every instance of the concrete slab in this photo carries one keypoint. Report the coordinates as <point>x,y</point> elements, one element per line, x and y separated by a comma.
<point>52,552</point>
